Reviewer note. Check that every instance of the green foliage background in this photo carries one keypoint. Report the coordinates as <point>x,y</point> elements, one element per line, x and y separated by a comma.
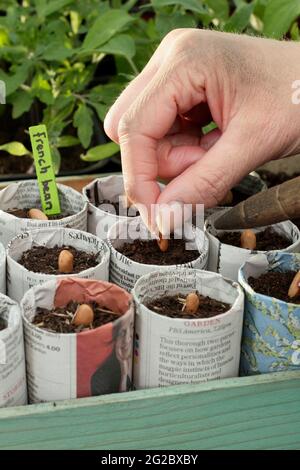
<point>53,53</point>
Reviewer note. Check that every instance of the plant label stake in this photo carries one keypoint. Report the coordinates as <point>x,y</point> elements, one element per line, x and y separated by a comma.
<point>44,170</point>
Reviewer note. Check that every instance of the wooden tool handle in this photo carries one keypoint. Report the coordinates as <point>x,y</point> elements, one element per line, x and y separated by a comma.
<point>274,205</point>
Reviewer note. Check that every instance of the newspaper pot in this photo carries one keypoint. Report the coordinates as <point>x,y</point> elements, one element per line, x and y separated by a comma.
<point>125,272</point>
<point>93,362</point>
<point>271,337</point>
<point>227,259</point>
<point>172,351</point>
<point>12,358</point>
<point>2,270</point>
<point>110,188</point>
<point>20,279</point>
<point>25,194</point>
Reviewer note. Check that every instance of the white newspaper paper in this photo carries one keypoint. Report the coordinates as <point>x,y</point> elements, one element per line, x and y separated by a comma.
<point>171,351</point>
<point>66,366</point>
<point>125,272</point>
<point>109,188</point>
<point>12,360</point>
<point>50,358</point>
<point>20,280</point>
<point>2,270</point>
<point>25,194</point>
<point>227,259</point>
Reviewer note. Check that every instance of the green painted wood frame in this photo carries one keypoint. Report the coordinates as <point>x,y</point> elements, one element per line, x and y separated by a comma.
<point>259,412</point>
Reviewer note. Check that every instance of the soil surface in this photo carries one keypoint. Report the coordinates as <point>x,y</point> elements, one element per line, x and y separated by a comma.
<point>40,259</point>
<point>274,284</point>
<point>266,240</point>
<point>172,306</point>
<point>3,324</point>
<point>118,208</point>
<point>148,252</point>
<point>59,320</point>
<point>23,214</point>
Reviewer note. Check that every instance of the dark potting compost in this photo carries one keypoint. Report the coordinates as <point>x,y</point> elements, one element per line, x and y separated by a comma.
<point>117,209</point>
<point>148,252</point>
<point>40,259</point>
<point>24,214</point>
<point>61,319</point>
<point>274,284</point>
<point>173,306</point>
<point>266,240</point>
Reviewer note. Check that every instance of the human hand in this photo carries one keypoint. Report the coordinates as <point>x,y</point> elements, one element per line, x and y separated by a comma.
<point>243,83</point>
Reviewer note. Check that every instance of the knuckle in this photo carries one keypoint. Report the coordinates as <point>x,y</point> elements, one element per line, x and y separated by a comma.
<point>183,42</point>
<point>124,126</point>
<point>212,187</point>
<point>174,34</point>
<point>191,43</point>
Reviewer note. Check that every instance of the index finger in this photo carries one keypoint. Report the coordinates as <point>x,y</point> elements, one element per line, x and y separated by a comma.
<point>138,84</point>
<point>148,120</point>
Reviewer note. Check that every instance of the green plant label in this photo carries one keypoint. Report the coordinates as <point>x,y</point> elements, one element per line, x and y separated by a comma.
<point>44,170</point>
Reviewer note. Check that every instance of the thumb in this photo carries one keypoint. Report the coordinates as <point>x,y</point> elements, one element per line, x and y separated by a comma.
<point>208,180</point>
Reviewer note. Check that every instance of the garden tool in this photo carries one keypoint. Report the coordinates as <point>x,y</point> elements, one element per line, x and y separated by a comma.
<point>268,207</point>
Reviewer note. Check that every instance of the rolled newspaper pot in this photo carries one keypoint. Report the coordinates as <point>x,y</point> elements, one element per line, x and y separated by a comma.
<point>12,359</point>
<point>271,337</point>
<point>95,361</point>
<point>227,259</point>
<point>20,279</point>
<point>172,351</point>
<point>25,195</point>
<point>101,194</point>
<point>102,216</point>
<point>2,270</point>
<point>125,272</point>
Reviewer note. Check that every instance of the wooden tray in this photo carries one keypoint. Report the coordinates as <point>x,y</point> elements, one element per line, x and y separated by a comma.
<point>259,412</point>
